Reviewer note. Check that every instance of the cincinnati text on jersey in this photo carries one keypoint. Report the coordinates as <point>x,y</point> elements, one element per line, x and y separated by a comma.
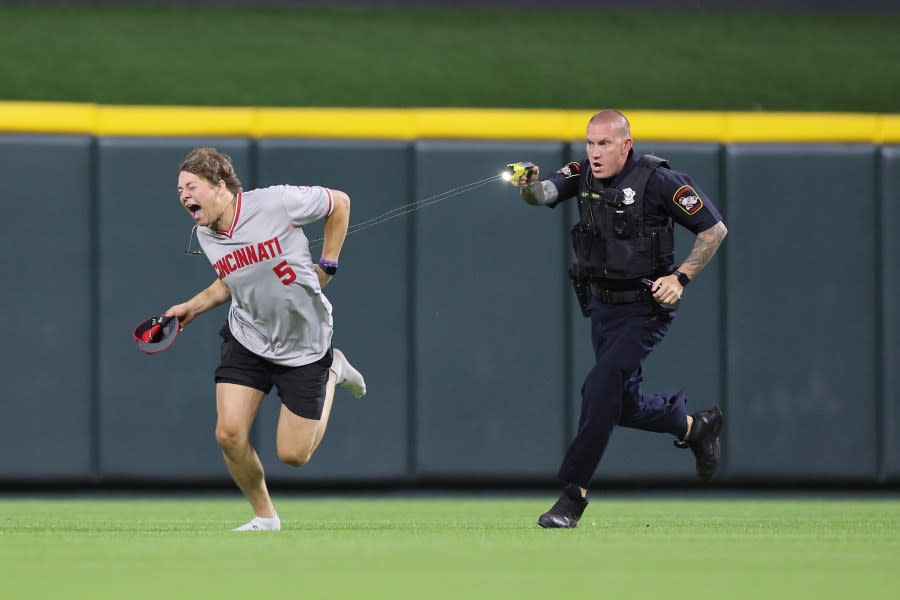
<point>246,256</point>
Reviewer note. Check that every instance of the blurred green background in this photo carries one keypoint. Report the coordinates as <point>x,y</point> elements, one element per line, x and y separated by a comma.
<point>449,58</point>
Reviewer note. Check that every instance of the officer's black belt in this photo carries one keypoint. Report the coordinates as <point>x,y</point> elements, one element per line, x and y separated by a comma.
<point>617,296</point>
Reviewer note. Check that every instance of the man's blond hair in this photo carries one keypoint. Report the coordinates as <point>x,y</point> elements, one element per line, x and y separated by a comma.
<point>213,166</point>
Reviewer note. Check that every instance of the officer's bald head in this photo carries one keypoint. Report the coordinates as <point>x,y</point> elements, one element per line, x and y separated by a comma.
<point>608,143</point>
<point>615,120</point>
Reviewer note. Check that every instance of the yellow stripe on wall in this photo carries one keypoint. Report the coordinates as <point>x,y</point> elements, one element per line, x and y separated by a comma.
<point>889,131</point>
<point>675,126</point>
<point>47,117</point>
<point>361,123</point>
<point>439,123</point>
<point>173,121</point>
<point>788,127</point>
<point>494,124</point>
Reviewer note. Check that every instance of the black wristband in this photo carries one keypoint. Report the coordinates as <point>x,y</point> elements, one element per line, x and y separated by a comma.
<point>329,266</point>
<point>682,278</point>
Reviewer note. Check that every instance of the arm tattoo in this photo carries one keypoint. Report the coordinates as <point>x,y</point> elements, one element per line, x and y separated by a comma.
<point>704,248</point>
<point>540,193</point>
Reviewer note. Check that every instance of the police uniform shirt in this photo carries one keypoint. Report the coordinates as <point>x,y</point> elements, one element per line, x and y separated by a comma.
<point>669,194</point>
<point>278,310</point>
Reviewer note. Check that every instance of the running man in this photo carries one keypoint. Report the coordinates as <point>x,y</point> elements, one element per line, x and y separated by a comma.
<point>279,325</point>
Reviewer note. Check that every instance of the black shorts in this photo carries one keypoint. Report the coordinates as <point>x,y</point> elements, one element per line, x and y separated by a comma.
<point>302,389</point>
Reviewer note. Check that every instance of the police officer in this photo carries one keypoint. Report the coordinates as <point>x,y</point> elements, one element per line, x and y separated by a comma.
<point>625,249</point>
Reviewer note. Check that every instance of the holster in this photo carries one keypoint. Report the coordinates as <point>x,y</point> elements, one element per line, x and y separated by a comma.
<point>582,285</point>
<point>664,309</point>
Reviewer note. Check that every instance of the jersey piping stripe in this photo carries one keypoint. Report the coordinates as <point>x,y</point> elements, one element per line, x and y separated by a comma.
<point>330,202</point>
<point>237,215</point>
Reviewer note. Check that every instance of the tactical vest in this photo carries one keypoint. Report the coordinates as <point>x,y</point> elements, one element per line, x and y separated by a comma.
<point>612,239</point>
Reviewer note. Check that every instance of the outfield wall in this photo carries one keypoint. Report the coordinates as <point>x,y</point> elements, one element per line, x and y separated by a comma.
<point>460,314</point>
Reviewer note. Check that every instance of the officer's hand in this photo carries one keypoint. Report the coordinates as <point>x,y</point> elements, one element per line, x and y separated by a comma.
<point>530,176</point>
<point>667,290</point>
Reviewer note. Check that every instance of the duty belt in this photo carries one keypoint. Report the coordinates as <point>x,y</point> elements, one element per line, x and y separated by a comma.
<point>617,296</point>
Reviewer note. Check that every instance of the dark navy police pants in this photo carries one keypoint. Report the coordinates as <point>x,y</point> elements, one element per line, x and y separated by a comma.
<point>623,336</point>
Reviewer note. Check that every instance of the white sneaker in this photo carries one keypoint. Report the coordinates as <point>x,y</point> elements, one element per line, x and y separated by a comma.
<point>261,524</point>
<point>347,377</point>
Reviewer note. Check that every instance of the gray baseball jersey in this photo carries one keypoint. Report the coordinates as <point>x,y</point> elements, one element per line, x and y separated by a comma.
<point>278,310</point>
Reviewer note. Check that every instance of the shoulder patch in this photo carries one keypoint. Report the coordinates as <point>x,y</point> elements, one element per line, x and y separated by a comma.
<point>570,170</point>
<point>688,200</point>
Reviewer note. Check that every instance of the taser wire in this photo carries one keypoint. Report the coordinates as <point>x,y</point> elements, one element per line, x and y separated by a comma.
<point>412,207</point>
<point>378,220</point>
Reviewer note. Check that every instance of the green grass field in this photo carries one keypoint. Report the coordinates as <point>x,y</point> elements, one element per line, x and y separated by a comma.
<point>453,58</point>
<point>450,548</point>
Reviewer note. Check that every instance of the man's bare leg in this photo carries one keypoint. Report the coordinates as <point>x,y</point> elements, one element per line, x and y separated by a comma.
<point>298,437</point>
<point>236,407</point>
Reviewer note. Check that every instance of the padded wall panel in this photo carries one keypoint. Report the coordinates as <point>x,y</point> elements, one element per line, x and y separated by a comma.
<point>490,317</point>
<point>47,330</point>
<point>157,412</point>
<point>890,269</point>
<point>802,261</point>
<point>366,438</point>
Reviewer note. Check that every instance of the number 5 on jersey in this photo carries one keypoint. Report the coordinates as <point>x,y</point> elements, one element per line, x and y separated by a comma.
<point>285,273</point>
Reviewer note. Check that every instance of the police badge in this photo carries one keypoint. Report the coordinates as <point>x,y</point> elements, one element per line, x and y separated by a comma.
<point>629,196</point>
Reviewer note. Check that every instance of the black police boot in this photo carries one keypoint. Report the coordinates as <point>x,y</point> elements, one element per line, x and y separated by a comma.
<point>567,510</point>
<point>704,441</point>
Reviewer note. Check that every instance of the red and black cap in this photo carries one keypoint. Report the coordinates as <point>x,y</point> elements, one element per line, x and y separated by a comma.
<point>155,334</point>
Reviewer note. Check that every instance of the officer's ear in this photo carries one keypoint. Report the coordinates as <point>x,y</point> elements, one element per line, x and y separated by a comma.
<point>628,144</point>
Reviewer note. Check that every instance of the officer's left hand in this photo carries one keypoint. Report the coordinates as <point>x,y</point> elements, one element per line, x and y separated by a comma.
<point>667,290</point>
